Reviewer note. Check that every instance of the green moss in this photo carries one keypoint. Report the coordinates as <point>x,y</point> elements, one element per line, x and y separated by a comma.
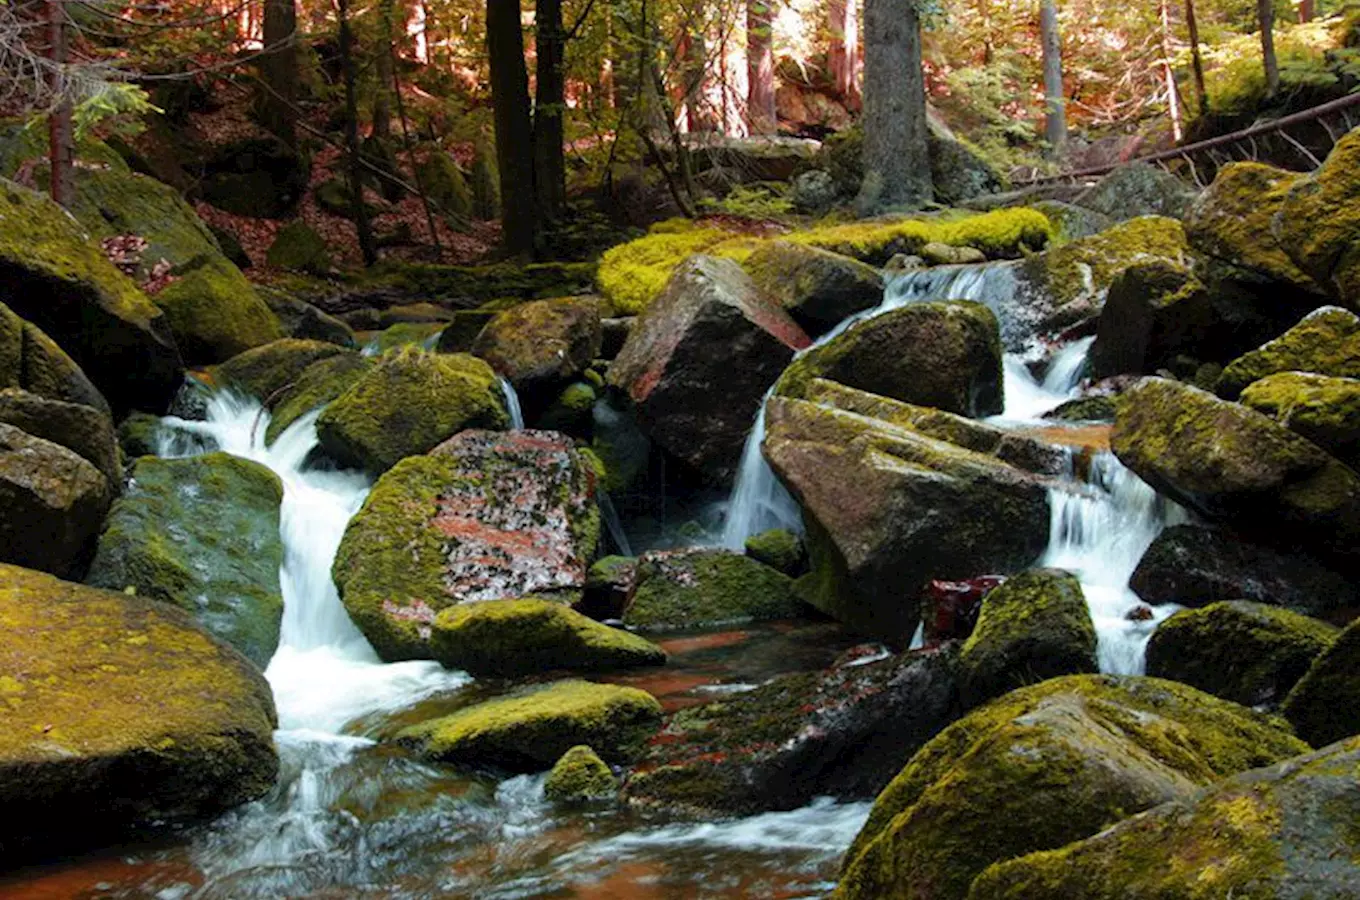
<point>542,342</point>
<point>406,404</point>
<point>215,314</point>
<point>1323,409</point>
<point>531,729</point>
<point>1087,409</point>
<point>318,384</point>
<point>689,589</point>
<point>265,372</point>
<point>1249,653</point>
<point>140,434</point>
<point>1319,223</point>
<point>443,181</point>
<point>632,275</point>
<point>1325,705</point>
<point>521,637</point>
<point>1083,268</point>
<point>406,334</point>
<point>87,431</point>
<point>22,143</point>
<point>580,776</point>
<point>570,412</point>
<point>779,549</point>
<point>298,246</point>
<point>1326,342</point>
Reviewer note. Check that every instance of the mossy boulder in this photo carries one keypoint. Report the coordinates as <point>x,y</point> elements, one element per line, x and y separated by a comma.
<point>1098,408</point>
<point>318,384</point>
<point>1325,705</point>
<point>446,185</point>
<point>958,170</point>
<point>1318,224</point>
<point>406,404</point>
<point>542,344</point>
<point>841,732</point>
<point>945,355</point>
<point>53,276</point>
<point>1033,627</point>
<point>530,729</point>
<point>1234,464</point>
<point>298,246</point>
<point>509,638</point>
<point>1154,312</point>
<point>999,234</point>
<point>698,588</point>
<point>1325,342</point>
<point>201,533</point>
<point>415,335</point>
<point>75,426</point>
<point>818,288</point>
<point>1138,189</point>
<point>920,509</point>
<point>214,313</point>
<point>486,516</point>
<point>1193,565</point>
<point>32,361</point>
<point>779,549</point>
<point>121,715</point>
<point>1322,408</point>
<point>580,776</point>
<point>1246,652</point>
<point>571,411</point>
<point>51,503</point>
<point>141,434</point>
<point>265,372</point>
<point>1286,830</point>
<point>609,588</point>
<point>301,319</point>
<point>1045,766</point>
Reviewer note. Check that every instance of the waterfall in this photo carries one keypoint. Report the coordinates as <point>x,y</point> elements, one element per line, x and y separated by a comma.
<point>1028,399</point>
<point>512,406</point>
<point>759,500</point>
<point>612,524</point>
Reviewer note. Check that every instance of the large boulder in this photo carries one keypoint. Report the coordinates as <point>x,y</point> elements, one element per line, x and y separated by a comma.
<point>699,588</point>
<point>530,729</point>
<point>120,714</point>
<point>1138,189</point>
<point>318,384</point>
<point>1325,705</point>
<point>888,509</point>
<point>406,404</point>
<point>1045,766</point>
<point>945,355</point>
<point>487,516</point>
<point>1324,409</point>
<point>507,638</point>
<point>1033,627</point>
<point>53,276</point>
<point>1154,311</point>
<point>1245,652</point>
<point>1318,224</point>
<point>266,372</point>
<point>1325,342</point>
<point>75,426</point>
<point>201,533</point>
<point>544,343</point>
<point>958,170</point>
<point>51,503</point>
<point>32,361</point>
<point>1192,565</point>
<point>842,732</point>
<point>1232,463</point>
<point>1283,831</point>
<point>817,287</point>
<point>700,358</point>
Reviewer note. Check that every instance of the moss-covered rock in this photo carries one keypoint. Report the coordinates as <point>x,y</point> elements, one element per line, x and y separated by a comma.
<point>580,776</point>
<point>214,313</point>
<point>1246,652</point>
<point>959,170</point>
<point>298,246</point>
<point>1282,831</point>
<point>1138,189</point>
<point>406,404</point>
<point>51,503</point>
<point>1045,766</point>
<point>140,434</point>
<point>1033,627</point>
<point>487,516</point>
<point>543,343</point>
<point>945,355</point>
<point>120,714</point>
<point>1325,705</point>
<point>779,549</point>
<point>75,426</point>
<point>53,276</point>
<point>301,319</point>
<point>530,729</point>
<point>445,184</point>
<point>842,732</point>
<point>1324,409</point>
<point>318,384</point>
<point>1153,312</point>
<point>696,588</point>
<point>32,361</point>
<point>1099,408</point>
<point>265,372</point>
<point>508,638</point>
<point>609,588</point>
<point>420,335</point>
<point>571,411</point>
<point>1325,342</point>
<point>818,288</point>
<point>201,533</point>
<point>1318,224</point>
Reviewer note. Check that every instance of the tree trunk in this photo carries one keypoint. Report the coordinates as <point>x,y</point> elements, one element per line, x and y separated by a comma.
<point>1307,9</point>
<point>367,247</point>
<point>1197,61</point>
<point>279,71</point>
<point>760,66</point>
<point>1265,13</point>
<point>514,127</point>
<point>1055,118</point>
<point>1173,104</point>
<point>550,169</point>
<point>697,111</point>
<point>60,132</point>
<point>382,95</point>
<point>843,58</point>
<point>896,154</point>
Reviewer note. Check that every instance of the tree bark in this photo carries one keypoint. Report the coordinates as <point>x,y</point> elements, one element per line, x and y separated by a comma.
<point>843,59</point>
<point>1055,118</point>
<point>896,152</point>
<point>514,127</point>
<point>279,71</point>
<point>550,169</point>
<point>760,112</point>
<point>1307,9</point>
<point>1265,14</point>
<point>383,66</point>
<point>60,130</point>
<point>1196,60</point>
<point>367,247</point>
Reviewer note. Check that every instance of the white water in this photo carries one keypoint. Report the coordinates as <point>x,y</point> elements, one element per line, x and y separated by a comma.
<point>512,406</point>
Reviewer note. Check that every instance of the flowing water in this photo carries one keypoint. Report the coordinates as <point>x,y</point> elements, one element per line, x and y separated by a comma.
<point>512,406</point>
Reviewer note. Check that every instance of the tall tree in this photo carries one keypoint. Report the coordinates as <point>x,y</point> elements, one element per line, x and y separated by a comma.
<point>367,246</point>
<point>1173,100</point>
<point>1265,15</point>
<point>1307,9</point>
<point>896,152</point>
<point>843,59</point>
<point>1196,59</point>
<point>760,111</point>
<point>383,66</point>
<point>514,125</point>
<point>60,130</point>
<point>550,105</point>
<point>279,71</point>
<point>1055,118</point>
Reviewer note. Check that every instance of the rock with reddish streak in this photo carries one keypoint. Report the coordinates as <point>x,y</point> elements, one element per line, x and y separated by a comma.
<point>949,609</point>
<point>484,516</point>
<point>700,358</point>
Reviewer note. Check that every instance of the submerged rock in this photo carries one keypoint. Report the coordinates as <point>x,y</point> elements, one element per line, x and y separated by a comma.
<point>1326,342</point>
<point>530,729</point>
<point>121,715</point>
<point>520,637</point>
<point>1249,653</point>
<point>1045,766</point>
<point>843,732</point>
<point>580,776</point>
<point>700,588</point>
<point>1285,831</point>
<point>1324,409</point>
<point>1325,705</point>
<point>32,361</point>
<point>486,516</point>
<point>201,533</point>
<point>817,287</point>
<point>51,504</point>
<point>700,358</point>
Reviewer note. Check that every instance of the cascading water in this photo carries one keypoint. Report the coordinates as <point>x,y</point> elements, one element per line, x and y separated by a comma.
<point>512,406</point>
